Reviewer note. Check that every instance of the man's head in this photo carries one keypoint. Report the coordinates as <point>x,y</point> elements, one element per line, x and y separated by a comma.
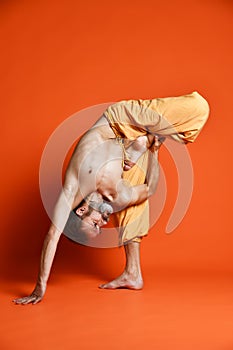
<point>86,220</point>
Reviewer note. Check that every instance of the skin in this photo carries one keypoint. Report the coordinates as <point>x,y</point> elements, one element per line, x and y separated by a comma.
<point>131,278</point>
<point>94,220</point>
<point>95,166</point>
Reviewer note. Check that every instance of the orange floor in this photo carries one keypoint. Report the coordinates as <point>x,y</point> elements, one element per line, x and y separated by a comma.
<point>176,310</point>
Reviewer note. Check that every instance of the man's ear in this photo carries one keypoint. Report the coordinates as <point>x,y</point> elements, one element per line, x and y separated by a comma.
<point>82,210</point>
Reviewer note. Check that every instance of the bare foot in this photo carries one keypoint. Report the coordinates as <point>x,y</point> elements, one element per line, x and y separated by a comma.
<point>124,281</point>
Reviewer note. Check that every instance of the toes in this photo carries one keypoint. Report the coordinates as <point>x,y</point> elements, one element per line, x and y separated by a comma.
<point>123,282</point>
<point>106,286</point>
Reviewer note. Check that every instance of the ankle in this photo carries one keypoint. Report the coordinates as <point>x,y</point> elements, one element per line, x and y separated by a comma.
<point>133,274</point>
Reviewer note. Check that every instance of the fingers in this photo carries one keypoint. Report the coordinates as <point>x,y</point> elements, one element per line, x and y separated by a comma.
<point>38,299</point>
<point>157,143</point>
<point>34,299</point>
<point>24,301</point>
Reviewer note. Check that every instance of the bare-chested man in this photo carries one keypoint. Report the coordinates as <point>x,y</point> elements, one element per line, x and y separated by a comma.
<point>103,180</point>
<point>96,164</point>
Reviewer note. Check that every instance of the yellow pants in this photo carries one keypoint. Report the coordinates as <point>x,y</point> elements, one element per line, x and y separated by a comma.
<point>133,222</point>
<point>181,117</point>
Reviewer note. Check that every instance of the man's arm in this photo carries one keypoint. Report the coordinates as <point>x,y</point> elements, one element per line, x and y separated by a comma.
<point>61,213</point>
<point>69,198</point>
<point>127,195</point>
<point>62,210</point>
<point>152,175</point>
<point>142,192</point>
<point>47,257</point>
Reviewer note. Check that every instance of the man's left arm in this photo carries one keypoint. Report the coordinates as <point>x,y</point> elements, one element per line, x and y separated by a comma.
<point>142,192</point>
<point>128,196</point>
<point>152,175</point>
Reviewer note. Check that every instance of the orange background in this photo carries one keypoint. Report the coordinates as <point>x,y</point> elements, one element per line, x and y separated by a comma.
<point>58,57</point>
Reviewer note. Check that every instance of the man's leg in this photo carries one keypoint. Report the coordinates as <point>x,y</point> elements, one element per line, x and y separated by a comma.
<point>131,277</point>
<point>132,222</point>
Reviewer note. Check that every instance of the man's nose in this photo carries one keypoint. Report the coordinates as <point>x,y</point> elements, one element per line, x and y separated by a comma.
<point>102,222</point>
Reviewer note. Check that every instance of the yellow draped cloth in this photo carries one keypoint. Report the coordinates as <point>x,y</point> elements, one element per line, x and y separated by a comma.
<point>133,222</point>
<point>180,117</point>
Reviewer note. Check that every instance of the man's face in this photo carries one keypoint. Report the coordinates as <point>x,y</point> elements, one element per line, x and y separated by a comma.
<point>92,223</point>
<point>94,214</point>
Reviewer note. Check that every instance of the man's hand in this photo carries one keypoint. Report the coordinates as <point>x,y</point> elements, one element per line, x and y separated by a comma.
<point>33,298</point>
<point>156,143</point>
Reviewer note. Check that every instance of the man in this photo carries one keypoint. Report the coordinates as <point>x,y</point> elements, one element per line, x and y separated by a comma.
<point>93,212</point>
<point>96,162</point>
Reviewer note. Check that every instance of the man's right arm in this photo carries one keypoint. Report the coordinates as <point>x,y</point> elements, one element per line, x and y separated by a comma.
<point>47,257</point>
<point>64,205</point>
<point>70,196</point>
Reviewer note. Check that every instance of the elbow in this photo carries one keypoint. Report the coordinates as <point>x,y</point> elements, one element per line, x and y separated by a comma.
<point>123,201</point>
<point>53,234</point>
<point>151,190</point>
